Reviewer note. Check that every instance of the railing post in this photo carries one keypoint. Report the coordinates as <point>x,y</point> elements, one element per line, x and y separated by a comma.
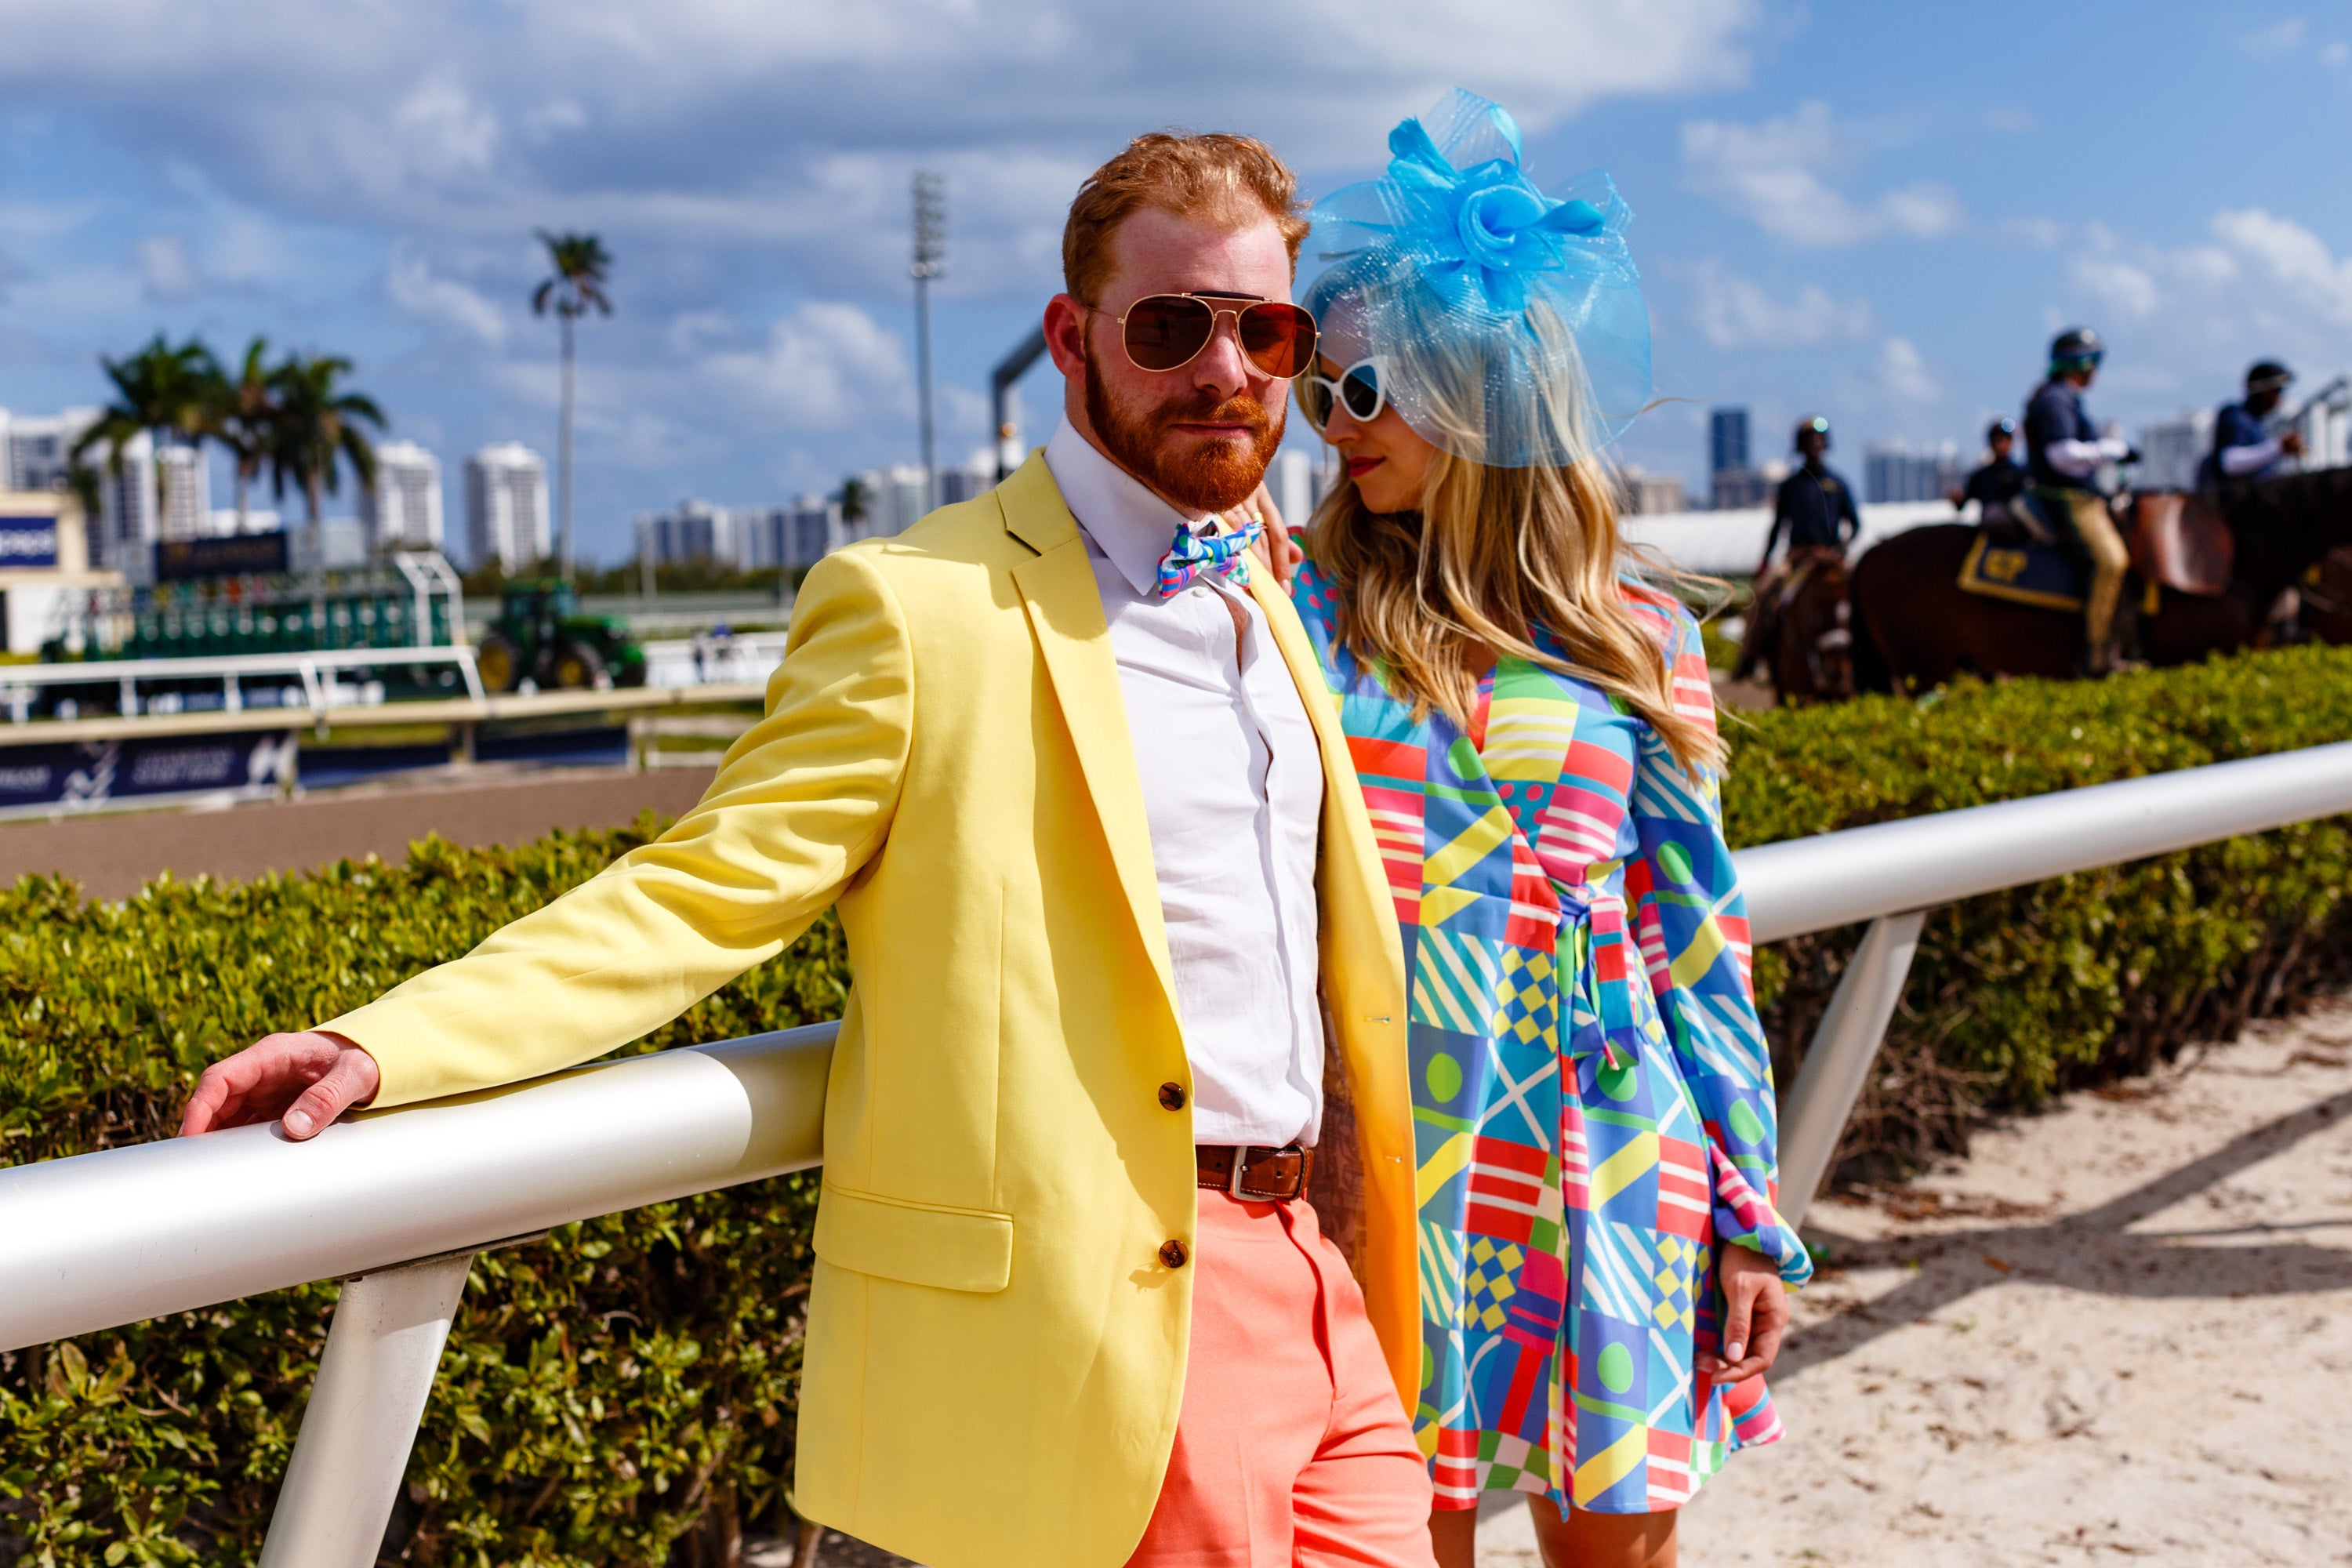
<point>1838,1062</point>
<point>383,1349</point>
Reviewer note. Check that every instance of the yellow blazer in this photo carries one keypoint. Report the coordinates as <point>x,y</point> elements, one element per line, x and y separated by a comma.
<point>995,1351</point>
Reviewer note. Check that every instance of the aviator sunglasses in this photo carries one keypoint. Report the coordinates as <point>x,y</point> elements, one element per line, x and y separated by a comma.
<point>1358,390</point>
<point>1168,332</point>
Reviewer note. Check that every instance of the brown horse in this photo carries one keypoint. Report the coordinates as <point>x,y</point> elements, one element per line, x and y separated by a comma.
<point>1913,628</point>
<point>1802,629</point>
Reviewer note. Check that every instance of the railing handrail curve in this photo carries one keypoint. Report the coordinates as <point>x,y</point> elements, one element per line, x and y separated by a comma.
<point>96,1240</point>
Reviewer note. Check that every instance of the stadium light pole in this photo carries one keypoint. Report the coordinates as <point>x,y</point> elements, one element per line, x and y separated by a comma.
<point>930,254</point>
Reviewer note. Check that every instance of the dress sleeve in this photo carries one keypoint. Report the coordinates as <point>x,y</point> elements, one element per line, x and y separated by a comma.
<point>1685,897</point>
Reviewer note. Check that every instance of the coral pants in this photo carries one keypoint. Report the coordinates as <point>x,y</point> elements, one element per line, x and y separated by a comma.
<point>1291,1447</point>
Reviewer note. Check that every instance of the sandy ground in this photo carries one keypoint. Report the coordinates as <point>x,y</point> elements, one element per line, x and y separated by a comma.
<point>2120,1331</point>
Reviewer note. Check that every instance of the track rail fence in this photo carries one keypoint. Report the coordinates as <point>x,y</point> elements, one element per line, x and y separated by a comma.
<point>397,1203</point>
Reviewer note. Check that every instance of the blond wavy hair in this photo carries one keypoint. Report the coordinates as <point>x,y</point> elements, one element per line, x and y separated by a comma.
<point>1494,553</point>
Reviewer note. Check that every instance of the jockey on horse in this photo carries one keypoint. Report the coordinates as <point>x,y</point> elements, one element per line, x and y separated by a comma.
<point>2064,453</point>
<point>1816,507</point>
<point>2243,444</point>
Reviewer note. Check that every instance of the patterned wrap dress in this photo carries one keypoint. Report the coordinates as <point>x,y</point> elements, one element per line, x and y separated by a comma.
<point>1592,1096</point>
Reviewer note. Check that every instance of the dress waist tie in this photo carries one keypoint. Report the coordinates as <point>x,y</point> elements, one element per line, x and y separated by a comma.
<point>1601,1013</point>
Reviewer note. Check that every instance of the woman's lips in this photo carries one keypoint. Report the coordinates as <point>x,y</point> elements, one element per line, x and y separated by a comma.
<point>1359,466</point>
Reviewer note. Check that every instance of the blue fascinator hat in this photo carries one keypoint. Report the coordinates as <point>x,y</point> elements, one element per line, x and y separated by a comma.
<point>1508,323</point>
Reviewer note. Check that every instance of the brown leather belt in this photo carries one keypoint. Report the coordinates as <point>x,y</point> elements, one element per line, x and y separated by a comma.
<point>1267,1175</point>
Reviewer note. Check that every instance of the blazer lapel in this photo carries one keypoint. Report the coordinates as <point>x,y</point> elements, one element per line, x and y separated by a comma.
<point>1347,822</point>
<point>1065,608</point>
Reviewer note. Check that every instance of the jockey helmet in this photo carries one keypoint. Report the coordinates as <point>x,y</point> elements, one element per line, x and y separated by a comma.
<point>2075,349</point>
<point>2267,376</point>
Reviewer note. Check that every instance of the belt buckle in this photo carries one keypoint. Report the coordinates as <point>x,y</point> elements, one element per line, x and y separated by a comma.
<point>1241,1163</point>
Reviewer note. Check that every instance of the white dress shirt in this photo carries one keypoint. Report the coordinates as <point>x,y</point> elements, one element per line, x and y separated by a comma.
<point>1233,787</point>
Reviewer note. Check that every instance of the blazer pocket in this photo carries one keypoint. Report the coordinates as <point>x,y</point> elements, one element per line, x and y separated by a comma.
<point>916,1244</point>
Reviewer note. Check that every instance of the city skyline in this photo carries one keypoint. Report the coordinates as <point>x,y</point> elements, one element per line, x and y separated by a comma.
<point>1879,217</point>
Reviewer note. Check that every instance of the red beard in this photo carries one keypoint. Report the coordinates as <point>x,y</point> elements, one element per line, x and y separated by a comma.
<point>1212,475</point>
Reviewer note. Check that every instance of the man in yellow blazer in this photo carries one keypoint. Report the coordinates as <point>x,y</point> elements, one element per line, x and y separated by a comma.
<point>1116,920</point>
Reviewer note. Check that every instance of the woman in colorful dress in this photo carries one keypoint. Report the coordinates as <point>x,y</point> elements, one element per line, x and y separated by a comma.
<point>1603,1268</point>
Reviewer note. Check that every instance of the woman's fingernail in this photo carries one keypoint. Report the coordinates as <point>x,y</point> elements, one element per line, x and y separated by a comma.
<point>1731,1352</point>
<point>298,1122</point>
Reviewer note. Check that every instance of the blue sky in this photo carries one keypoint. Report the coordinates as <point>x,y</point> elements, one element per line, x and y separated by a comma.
<point>1878,212</point>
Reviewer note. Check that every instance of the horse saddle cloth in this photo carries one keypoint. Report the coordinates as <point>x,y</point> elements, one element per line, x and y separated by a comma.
<point>2024,571</point>
<point>2024,519</point>
<point>2183,542</point>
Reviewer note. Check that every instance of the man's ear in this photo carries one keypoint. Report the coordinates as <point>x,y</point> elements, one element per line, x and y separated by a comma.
<point>1066,334</point>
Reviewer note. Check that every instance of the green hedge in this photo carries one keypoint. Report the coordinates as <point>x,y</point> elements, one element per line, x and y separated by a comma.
<point>621,1392</point>
<point>2090,976</point>
<point>604,1390</point>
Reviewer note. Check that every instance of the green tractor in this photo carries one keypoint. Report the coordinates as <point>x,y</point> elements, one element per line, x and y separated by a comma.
<point>543,637</point>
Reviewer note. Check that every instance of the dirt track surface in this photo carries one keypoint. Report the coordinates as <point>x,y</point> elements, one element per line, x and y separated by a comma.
<point>112,854</point>
<point>2121,1331</point>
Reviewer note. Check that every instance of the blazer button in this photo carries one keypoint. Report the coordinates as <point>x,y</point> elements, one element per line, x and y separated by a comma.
<point>1171,1097</point>
<point>1173,1253</point>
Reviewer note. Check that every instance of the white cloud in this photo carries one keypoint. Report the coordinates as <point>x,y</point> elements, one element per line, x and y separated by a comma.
<point>2119,285</point>
<point>1903,373</point>
<point>1778,175</point>
<point>2291,257</point>
<point>2196,313</point>
<point>826,366</point>
<point>2275,41</point>
<point>2258,267</point>
<point>1735,312</point>
<point>165,266</point>
<point>449,117</point>
<point>412,285</point>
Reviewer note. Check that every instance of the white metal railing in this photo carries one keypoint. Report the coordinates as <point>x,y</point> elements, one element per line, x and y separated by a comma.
<point>396,1203</point>
<point>21,684</point>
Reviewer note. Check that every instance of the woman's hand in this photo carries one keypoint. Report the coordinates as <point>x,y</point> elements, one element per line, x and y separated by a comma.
<point>1275,550</point>
<point>1755,1315</point>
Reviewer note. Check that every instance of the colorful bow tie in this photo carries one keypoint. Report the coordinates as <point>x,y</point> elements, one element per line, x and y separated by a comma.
<point>1191,554</point>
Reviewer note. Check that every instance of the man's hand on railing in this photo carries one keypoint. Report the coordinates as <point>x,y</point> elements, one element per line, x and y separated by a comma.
<point>304,1081</point>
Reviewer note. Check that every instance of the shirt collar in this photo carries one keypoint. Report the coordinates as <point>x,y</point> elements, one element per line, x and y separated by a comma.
<point>1130,525</point>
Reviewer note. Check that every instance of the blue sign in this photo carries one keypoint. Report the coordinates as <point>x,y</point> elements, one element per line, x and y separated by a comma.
<point>29,542</point>
<point>90,775</point>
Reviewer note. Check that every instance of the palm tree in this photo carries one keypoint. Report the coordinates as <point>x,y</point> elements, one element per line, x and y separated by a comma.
<point>315,430</point>
<point>576,287</point>
<point>856,503</point>
<point>163,392</point>
<point>244,419</point>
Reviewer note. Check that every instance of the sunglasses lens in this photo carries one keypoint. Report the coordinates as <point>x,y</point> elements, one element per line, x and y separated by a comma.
<point>1361,390</point>
<point>1167,330</point>
<point>1314,400</point>
<point>1279,339</point>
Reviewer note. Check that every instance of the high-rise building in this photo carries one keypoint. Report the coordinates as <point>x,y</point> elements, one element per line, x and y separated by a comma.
<point>908,491</point>
<point>967,483</point>
<point>36,454</point>
<point>695,531</point>
<point>1726,441</point>
<point>2170,452</point>
<point>186,480</point>
<point>1731,480</point>
<point>790,537</point>
<point>1651,494</point>
<point>1893,471</point>
<point>506,507</point>
<point>402,511</point>
<point>1300,480</point>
